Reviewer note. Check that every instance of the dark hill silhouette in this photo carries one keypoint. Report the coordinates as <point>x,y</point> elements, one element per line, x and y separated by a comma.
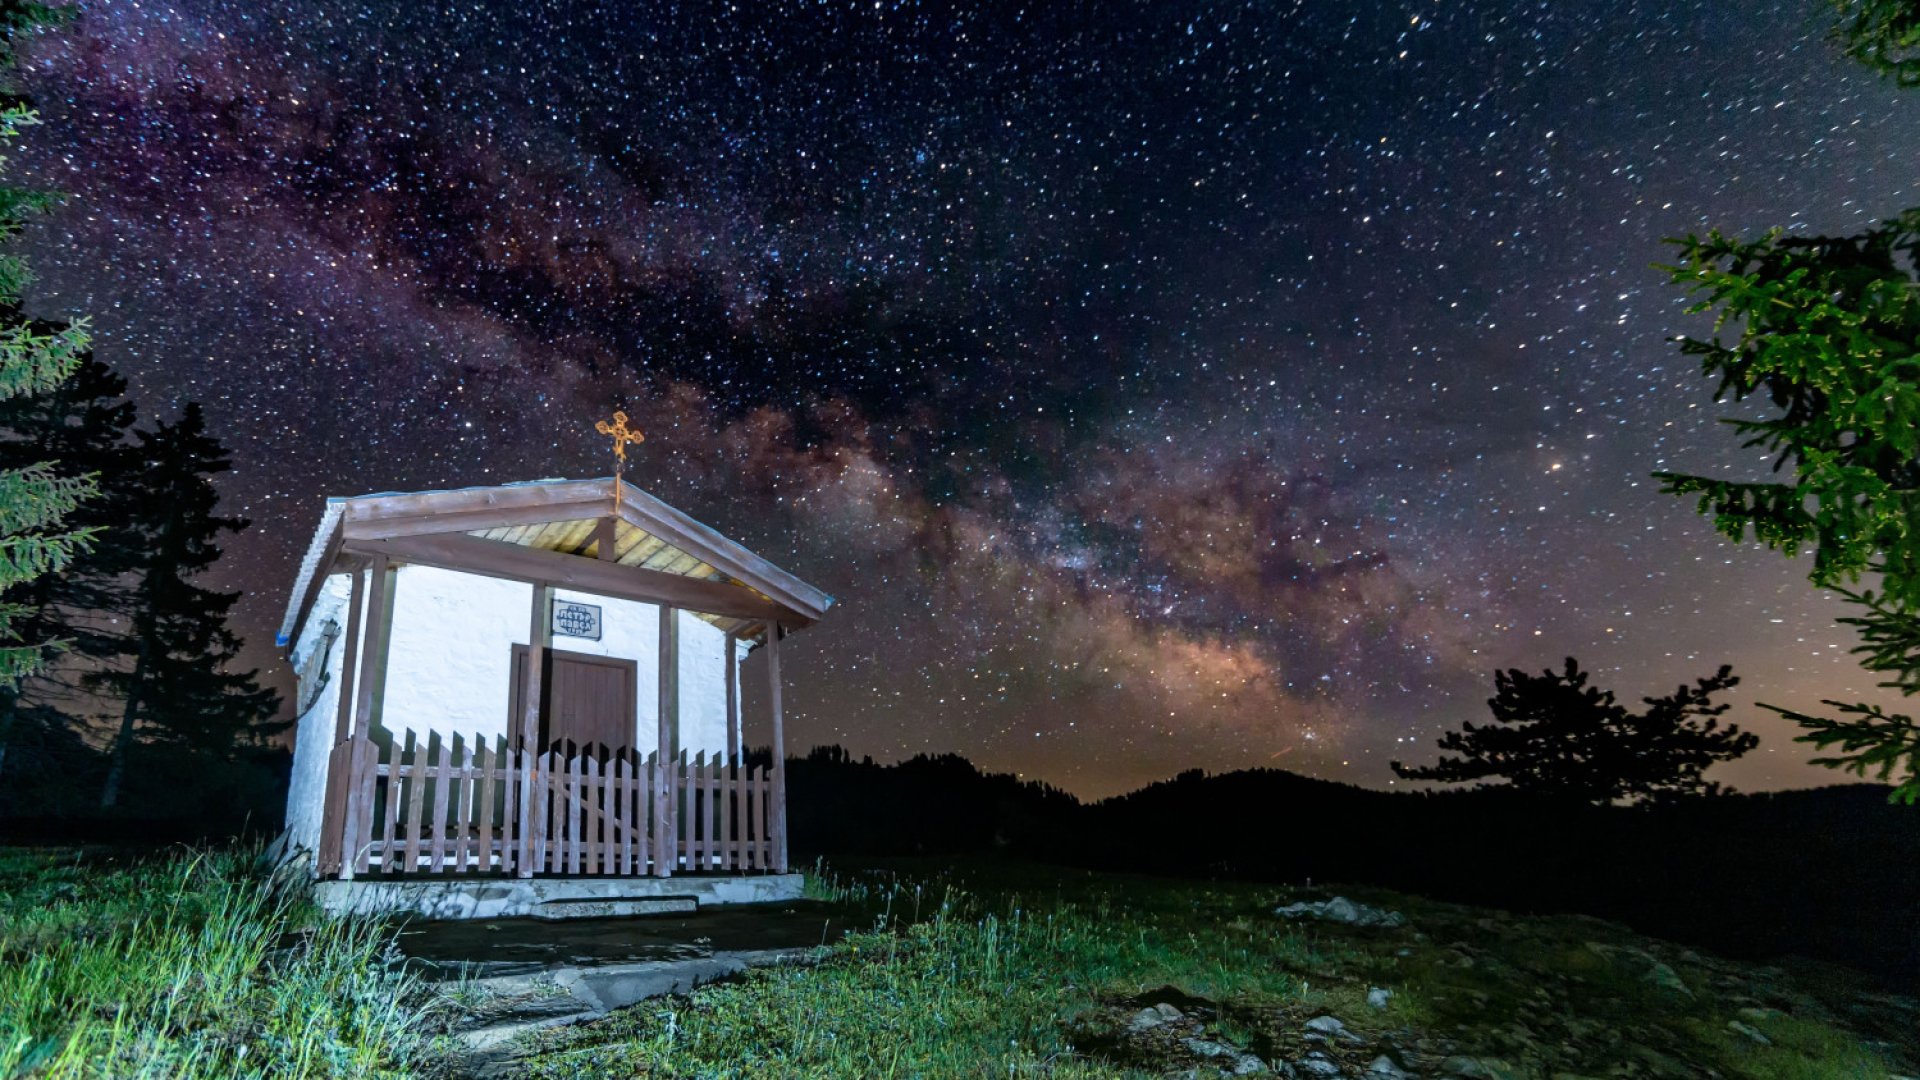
<point>929,805</point>
<point>1829,873</point>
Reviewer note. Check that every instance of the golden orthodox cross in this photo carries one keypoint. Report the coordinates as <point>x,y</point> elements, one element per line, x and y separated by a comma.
<point>621,435</point>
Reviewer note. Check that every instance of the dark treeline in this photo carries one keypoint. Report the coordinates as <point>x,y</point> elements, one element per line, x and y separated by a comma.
<point>175,795</point>
<point>139,723</point>
<point>1831,873</point>
<point>927,805</point>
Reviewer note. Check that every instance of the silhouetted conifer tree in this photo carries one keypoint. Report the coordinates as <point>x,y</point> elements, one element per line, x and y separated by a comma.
<point>178,686</point>
<point>1555,735</point>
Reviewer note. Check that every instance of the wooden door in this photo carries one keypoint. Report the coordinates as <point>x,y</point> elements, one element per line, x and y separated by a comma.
<point>584,699</point>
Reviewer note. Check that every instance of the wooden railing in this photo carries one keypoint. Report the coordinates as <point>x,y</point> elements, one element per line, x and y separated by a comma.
<point>472,805</point>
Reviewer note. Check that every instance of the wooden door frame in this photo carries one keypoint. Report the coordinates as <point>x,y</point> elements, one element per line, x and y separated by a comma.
<point>517,675</point>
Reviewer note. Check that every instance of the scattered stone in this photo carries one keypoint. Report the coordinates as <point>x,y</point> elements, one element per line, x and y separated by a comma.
<point>1666,978</point>
<point>1154,1016</point>
<point>1754,1014</point>
<point>1475,1068</point>
<point>1341,910</point>
<point>1749,1031</point>
<point>1652,970</point>
<point>1388,1069</point>
<point>1327,1025</point>
<point>1378,997</point>
<point>1242,1064</point>
<point>1330,1027</point>
<point>1317,1064</point>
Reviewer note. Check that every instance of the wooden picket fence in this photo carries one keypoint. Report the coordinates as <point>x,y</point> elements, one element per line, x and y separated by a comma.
<point>462,805</point>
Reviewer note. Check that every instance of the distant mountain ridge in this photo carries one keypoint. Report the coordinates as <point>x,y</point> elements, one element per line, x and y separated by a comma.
<point>1830,873</point>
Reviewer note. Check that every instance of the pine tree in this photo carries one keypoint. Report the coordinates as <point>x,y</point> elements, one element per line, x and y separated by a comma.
<point>1827,331</point>
<point>86,424</point>
<point>36,497</point>
<point>178,686</point>
<point>1556,736</point>
<point>1884,35</point>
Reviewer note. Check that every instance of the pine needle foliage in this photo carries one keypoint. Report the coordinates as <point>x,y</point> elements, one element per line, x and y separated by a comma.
<point>1826,330</point>
<point>34,498</point>
<point>1882,34</point>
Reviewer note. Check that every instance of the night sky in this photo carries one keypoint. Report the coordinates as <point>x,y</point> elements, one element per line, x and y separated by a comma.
<point>1156,386</point>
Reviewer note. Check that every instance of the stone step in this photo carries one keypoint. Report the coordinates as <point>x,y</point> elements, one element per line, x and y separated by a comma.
<point>615,907</point>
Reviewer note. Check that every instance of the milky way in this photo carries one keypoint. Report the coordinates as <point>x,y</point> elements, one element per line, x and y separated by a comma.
<point>1184,386</point>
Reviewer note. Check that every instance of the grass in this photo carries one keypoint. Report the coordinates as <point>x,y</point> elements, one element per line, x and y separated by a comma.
<point>955,993</point>
<point>191,965</point>
<point>1034,972</point>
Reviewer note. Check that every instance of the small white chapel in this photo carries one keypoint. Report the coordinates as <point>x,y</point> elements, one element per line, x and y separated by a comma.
<point>536,685</point>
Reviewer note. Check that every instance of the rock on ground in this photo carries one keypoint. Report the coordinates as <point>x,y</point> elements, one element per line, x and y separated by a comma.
<point>1341,910</point>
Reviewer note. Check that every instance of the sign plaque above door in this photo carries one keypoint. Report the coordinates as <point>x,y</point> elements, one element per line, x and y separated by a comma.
<point>571,619</point>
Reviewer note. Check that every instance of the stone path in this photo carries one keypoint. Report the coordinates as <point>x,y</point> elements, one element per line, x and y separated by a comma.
<point>516,976</point>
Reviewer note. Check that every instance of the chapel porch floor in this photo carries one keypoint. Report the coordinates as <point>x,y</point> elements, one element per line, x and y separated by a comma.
<point>485,947</point>
<point>469,896</point>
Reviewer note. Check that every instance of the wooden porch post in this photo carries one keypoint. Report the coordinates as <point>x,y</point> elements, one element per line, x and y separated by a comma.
<point>357,795</point>
<point>373,658</point>
<point>333,795</point>
<point>539,632</point>
<point>349,662</point>
<point>666,793</point>
<point>778,816</point>
<point>733,695</point>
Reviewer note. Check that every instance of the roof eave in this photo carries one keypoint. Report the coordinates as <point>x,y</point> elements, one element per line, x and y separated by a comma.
<point>367,516</point>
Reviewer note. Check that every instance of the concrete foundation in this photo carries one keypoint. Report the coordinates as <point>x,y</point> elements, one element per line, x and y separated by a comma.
<point>503,898</point>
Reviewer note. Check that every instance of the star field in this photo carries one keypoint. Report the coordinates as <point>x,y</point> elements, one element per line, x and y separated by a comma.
<point>1200,385</point>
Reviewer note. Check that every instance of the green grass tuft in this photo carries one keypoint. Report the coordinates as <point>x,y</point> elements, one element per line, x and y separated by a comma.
<point>193,966</point>
<point>1033,972</point>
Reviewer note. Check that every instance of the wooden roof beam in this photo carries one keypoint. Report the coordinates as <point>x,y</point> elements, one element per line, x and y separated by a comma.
<point>494,558</point>
<point>380,528</point>
<point>466,511</point>
<point>467,500</point>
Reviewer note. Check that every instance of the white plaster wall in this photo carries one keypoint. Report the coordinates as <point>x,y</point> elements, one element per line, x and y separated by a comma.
<point>450,652</point>
<point>703,686</point>
<point>449,664</point>
<point>313,732</point>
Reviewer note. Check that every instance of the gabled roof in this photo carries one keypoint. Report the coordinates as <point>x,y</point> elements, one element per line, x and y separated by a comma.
<point>653,546</point>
